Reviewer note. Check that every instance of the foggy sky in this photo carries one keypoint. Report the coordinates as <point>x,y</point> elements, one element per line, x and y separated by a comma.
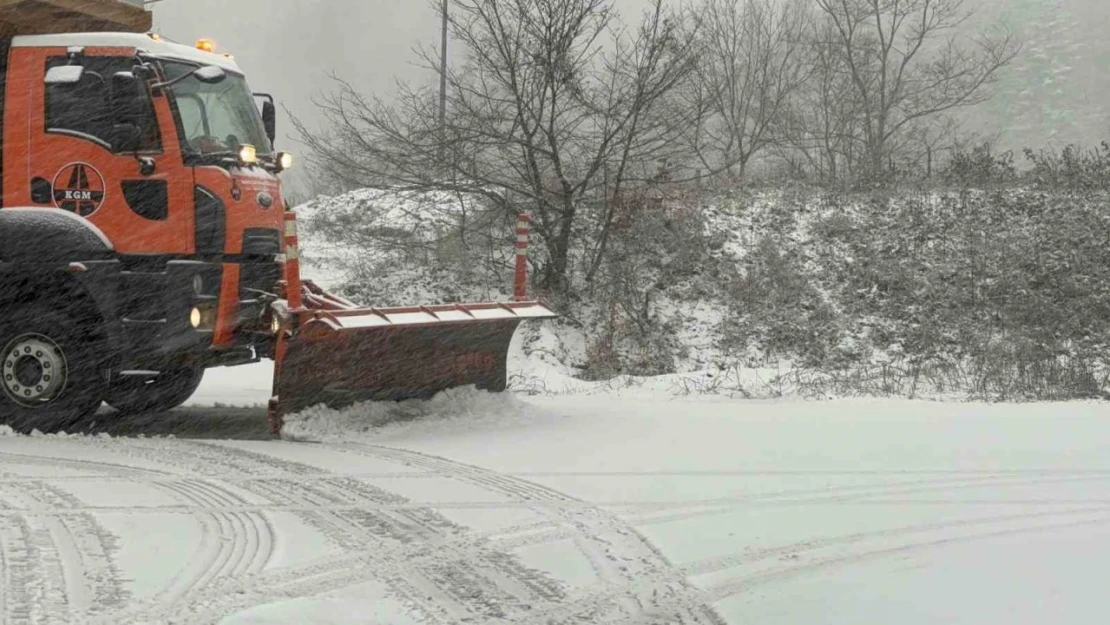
<point>1055,94</point>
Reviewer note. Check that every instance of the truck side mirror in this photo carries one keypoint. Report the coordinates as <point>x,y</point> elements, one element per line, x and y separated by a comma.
<point>269,120</point>
<point>144,71</point>
<point>65,75</point>
<point>210,74</point>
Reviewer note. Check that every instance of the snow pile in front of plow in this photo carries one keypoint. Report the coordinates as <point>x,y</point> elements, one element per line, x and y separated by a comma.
<point>465,407</point>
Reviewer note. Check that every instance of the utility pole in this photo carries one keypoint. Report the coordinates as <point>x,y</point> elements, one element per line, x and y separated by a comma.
<point>443,87</point>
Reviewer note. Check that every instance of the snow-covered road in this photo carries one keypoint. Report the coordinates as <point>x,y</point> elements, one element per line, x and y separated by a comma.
<point>609,508</point>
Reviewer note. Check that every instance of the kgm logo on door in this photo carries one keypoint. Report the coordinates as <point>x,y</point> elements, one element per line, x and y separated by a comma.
<point>79,188</point>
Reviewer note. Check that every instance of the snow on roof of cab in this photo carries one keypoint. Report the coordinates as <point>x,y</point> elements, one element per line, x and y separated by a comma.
<point>128,40</point>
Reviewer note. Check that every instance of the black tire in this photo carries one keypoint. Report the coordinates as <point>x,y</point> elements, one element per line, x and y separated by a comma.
<point>167,391</point>
<point>35,341</point>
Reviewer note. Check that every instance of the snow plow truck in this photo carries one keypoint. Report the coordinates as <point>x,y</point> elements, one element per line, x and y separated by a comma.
<point>144,239</point>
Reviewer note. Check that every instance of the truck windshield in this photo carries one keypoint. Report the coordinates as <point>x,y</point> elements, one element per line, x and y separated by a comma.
<point>217,119</point>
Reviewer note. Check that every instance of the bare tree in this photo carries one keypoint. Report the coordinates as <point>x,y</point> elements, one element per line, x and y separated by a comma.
<point>752,60</point>
<point>554,104</point>
<point>822,123</point>
<point>910,60</point>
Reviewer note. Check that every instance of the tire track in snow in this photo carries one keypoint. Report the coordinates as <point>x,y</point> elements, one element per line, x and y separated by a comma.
<point>724,590</point>
<point>22,574</point>
<point>233,543</point>
<point>421,549</point>
<point>73,555</point>
<point>374,537</point>
<point>937,476</point>
<point>640,512</point>
<point>601,557</point>
<point>7,567</point>
<point>415,550</point>
<point>255,544</point>
<point>637,581</point>
<point>970,478</point>
<point>439,548</point>
<point>638,519</point>
<point>723,563</point>
<point>427,576</point>
<point>35,583</point>
<point>431,531</point>
<point>658,513</point>
<point>525,495</point>
<point>220,521</point>
<point>860,492</point>
<point>216,511</point>
<point>93,580</point>
<point>951,473</point>
<point>110,469</point>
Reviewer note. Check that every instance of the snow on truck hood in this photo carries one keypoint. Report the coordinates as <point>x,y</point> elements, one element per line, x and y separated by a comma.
<point>128,40</point>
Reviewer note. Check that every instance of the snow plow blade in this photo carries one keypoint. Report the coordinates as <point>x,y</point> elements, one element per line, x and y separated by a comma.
<point>341,357</point>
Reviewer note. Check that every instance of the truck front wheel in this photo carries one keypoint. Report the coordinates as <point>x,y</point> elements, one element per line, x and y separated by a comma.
<point>166,391</point>
<point>51,373</point>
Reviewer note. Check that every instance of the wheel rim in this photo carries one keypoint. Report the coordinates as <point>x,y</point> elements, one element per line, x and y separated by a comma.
<point>34,370</point>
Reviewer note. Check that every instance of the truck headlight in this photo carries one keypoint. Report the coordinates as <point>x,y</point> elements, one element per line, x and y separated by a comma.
<point>248,154</point>
<point>285,160</point>
<point>202,318</point>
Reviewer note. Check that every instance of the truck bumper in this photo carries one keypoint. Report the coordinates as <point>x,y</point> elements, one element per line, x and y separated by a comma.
<point>158,308</point>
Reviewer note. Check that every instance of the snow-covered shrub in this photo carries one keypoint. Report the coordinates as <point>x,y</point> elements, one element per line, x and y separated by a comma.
<point>1008,290</point>
<point>979,166</point>
<point>393,248</point>
<point>654,259</point>
<point>776,308</point>
<point>1071,168</point>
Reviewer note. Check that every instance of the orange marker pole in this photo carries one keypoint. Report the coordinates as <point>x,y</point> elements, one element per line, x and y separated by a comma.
<point>295,299</point>
<point>520,280</point>
<point>292,263</point>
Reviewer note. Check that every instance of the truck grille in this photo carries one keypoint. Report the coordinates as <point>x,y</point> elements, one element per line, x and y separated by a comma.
<point>261,242</point>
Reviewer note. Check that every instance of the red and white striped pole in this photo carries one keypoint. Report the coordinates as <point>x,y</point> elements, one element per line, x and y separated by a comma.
<point>520,281</point>
<point>292,263</point>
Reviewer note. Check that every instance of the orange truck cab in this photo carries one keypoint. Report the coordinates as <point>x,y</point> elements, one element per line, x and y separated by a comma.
<point>166,253</point>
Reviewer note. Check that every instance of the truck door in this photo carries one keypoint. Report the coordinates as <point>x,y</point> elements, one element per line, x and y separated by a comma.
<point>71,165</point>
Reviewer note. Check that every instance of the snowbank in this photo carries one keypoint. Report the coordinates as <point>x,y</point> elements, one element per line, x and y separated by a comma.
<point>458,408</point>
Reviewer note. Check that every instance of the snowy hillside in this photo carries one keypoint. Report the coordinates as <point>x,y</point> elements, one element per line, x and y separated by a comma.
<point>772,292</point>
